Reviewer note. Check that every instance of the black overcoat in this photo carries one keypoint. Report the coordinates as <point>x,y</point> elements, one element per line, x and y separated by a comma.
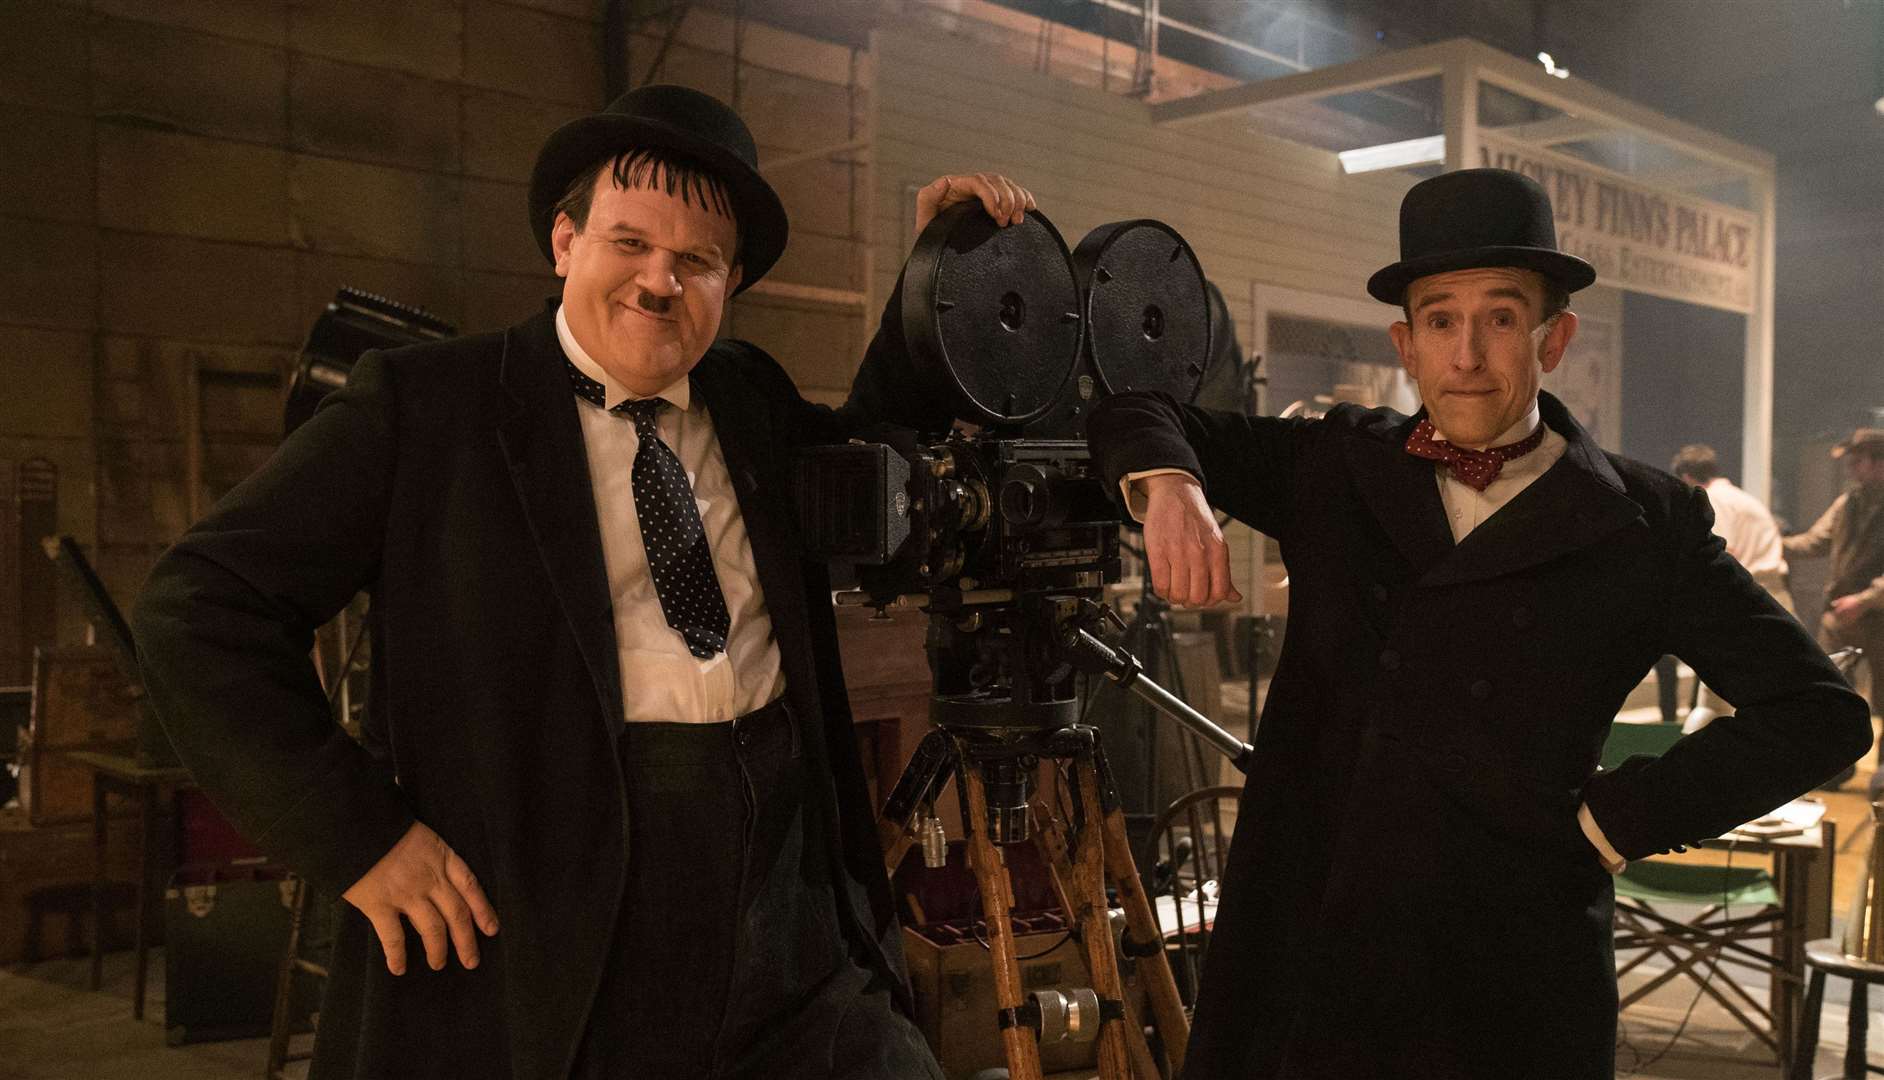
<point>450,480</point>
<point>1408,893</point>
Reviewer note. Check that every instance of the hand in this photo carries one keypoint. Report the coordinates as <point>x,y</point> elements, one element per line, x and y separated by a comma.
<point>1185,551</point>
<point>1846,610</point>
<point>424,880</point>
<point>1006,202</point>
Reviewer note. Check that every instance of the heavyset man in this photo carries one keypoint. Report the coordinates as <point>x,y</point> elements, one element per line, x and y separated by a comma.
<point>610,768</point>
<point>1418,884</point>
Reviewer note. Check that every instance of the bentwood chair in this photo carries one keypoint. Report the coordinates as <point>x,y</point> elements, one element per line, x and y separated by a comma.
<point>1183,860</point>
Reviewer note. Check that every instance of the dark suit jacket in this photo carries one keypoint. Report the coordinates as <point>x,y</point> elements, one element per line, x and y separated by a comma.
<point>1408,893</point>
<point>450,480</point>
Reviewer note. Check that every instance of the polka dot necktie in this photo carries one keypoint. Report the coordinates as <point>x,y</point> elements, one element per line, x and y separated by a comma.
<point>1474,468</point>
<point>679,557</point>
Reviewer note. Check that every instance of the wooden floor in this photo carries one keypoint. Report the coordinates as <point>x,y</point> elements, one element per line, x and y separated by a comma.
<point>52,1028</point>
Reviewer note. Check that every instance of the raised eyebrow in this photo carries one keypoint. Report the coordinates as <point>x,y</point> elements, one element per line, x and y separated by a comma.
<point>1430,299</point>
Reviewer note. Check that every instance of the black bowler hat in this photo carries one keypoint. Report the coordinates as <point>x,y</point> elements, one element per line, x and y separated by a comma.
<point>1477,217</point>
<point>686,123</point>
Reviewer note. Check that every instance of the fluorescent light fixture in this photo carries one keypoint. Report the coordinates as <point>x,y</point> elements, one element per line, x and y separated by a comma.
<point>1550,66</point>
<point>1429,150</point>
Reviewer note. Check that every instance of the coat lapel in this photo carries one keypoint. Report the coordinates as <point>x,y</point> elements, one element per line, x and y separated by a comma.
<point>541,437</point>
<point>1400,491</point>
<point>1577,502</point>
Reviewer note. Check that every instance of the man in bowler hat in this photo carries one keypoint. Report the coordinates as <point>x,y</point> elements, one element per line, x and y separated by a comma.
<point>608,819</point>
<point>1420,881</point>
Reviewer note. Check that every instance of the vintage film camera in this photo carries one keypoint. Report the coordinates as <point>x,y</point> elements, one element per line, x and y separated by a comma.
<point>1003,532</point>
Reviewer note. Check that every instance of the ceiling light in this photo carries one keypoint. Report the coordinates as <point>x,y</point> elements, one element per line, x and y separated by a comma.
<point>1394,155</point>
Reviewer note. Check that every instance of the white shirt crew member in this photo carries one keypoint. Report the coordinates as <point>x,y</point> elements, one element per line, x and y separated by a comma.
<point>1751,535</point>
<point>660,678</point>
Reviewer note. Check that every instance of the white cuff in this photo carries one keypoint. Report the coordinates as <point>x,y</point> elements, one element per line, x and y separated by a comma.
<point>1135,496</point>
<point>1611,860</point>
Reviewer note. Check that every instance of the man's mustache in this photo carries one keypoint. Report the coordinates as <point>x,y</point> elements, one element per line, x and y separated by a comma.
<point>657,305</point>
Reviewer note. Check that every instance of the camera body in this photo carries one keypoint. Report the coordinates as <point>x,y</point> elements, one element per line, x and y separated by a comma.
<point>1001,529</point>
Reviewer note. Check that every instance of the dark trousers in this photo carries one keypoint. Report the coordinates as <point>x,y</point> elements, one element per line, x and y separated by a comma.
<point>728,959</point>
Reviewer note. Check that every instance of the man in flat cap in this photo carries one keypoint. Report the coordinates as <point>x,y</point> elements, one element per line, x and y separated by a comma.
<point>1419,885</point>
<point>1851,533</point>
<point>610,820</point>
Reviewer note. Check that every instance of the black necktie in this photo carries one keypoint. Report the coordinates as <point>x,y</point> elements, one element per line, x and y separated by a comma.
<point>679,558</point>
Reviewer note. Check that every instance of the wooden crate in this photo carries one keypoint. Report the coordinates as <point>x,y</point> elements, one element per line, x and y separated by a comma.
<point>80,702</point>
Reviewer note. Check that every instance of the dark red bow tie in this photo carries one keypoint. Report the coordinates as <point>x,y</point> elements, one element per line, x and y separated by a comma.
<point>1478,468</point>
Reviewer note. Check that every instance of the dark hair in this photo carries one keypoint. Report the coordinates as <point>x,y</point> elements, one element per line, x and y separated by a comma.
<point>654,170</point>
<point>1556,302</point>
<point>1871,448</point>
<point>1696,460</point>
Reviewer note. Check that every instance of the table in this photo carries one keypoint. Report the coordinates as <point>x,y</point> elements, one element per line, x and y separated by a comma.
<point>123,773</point>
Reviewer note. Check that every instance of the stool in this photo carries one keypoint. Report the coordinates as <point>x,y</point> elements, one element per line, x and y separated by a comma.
<point>1826,956</point>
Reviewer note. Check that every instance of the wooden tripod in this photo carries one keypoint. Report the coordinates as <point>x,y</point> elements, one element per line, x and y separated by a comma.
<point>1082,854</point>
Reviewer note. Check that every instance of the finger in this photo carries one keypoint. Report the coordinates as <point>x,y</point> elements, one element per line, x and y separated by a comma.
<point>1221,587</point>
<point>1016,201</point>
<point>464,936</point>
<point>1156,563</point>
<point>466,883</point>
<point>392,938</point>
<point>1197,572</point>
<point>991,196</point>
<point>431,927</point>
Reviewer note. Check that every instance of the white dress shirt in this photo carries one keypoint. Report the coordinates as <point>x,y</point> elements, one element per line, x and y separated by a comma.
<point>660,678</point>
<point>1467,509</point>
<point>1751,535</point>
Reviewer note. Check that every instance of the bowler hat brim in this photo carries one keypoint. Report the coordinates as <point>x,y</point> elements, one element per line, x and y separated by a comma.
<point>1571,273</point>
<point>581,143</point>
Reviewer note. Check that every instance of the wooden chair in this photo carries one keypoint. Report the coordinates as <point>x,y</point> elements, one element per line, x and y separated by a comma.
<point>1183,861</point>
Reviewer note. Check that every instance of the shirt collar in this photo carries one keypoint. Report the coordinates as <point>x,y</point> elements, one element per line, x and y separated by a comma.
<point>1517,432</point>
<point>678,393</point>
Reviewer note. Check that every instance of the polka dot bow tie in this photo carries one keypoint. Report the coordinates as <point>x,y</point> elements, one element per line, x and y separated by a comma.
<point>679,558</point>
<point>1475,468</point>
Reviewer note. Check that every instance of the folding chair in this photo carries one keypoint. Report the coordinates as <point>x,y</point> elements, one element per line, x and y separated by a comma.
<point>1740,924</point>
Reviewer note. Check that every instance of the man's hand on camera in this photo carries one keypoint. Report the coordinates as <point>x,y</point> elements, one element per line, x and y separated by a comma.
<point>425,881</point>
<point>1006,202</point>
<point>1185,552</point>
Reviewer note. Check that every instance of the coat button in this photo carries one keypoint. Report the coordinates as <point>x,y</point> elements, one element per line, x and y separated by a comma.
<point>743,738</point>
<point>1389,660</point>
<point>1380,592</point>
<point>1522,618</point>
<point>1480,690</point>
<point>1454,763</point>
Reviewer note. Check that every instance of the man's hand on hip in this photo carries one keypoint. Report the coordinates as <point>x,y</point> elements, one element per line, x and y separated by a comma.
<point>1185,552</point>
<point>425,881</point>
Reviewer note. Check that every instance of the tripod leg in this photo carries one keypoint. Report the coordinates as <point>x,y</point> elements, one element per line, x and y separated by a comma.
<point>1094,922</point>
<point>1141,930</point>
<point>1018,1042</point>
<point>928,769</point>
<point>1050,839</point>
